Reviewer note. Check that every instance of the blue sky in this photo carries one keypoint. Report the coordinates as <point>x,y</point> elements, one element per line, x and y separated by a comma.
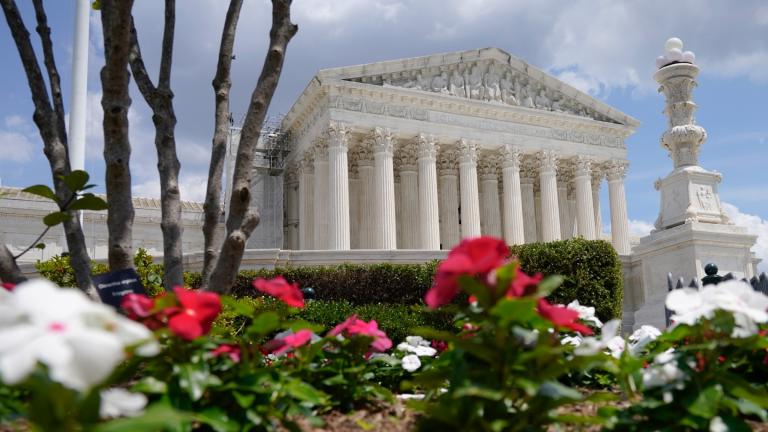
<point>604,47</point>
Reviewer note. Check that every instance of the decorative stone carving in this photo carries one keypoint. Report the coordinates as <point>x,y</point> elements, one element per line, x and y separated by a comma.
<point>456,85</point>
<point>426,146</point>
<point>510,156</point>
<point>383,140</point>
<point>447,162</point>
<point>307,162</point>
<point>487,167</point>
<point>320,148</point>
<point>467,151</point>
<point>616,170</point>
<point>338,134</point>
<point>405,157</point>
<point>547,161</point>
<point>583,166</point>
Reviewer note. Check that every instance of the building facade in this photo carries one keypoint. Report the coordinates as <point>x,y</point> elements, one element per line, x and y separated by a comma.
<point>421,152</point>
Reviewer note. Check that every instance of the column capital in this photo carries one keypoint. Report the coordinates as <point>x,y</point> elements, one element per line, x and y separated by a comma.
<point>405,158</point>
<point>467,151</point>
<point>547,160</point>
<point>383,140</point>
<point>583,166</point>
<point>291,173</point>
<point>361,154</point>
<point>426,146</point>
<point>616,169</point>
<point>307,162</point>
<point>510,156</point>
<point>338,135</point>
<point>528,170</point>
<point>320,148</point>
<point>487,167</point>
<point>598,173</point>
<point>447,162</point>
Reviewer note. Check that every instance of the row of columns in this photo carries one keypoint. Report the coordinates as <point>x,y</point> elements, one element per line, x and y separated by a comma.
<point>437,206</point>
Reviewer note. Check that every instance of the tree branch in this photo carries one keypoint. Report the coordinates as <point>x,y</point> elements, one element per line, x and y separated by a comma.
<point>241,221</point>
<point>50,123</point>
<point>50,65</point>
<point>160,100</point>
<point>9,271</point>
<point>116,26</point>
<point>221,85</point>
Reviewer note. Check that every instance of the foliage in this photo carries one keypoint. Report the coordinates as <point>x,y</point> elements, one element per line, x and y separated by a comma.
<point>591,272</point>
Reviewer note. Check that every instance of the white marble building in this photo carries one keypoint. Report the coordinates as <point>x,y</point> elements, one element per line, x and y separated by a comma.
<point>421,152</point>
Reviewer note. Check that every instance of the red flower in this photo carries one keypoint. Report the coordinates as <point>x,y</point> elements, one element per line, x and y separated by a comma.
<point>474,257</point>
<point>196,314</point>
<point>354,326</point>
<point>524,285</point>
<point>137,306</point>
<point>280,288</point>
<point>295,340</point>
<point>231,350</point>
<point>8,286</point>
<point>562,317</point>
<point>439,345</point>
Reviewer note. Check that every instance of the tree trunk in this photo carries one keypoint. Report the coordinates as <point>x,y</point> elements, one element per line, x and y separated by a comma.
<point>221,85</point>
<point>241,220</point>
<point>50,123</point>
<point>115,100</point>
<point>160,99</point>
<point>9,271</point>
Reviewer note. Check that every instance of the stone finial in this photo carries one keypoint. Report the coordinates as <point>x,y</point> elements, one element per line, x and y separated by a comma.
<point>383,140</point>
<point>426,146</point>
<point>510,156</point>
<point>467,151</point>
<point>320,147</point>
<point>616,169</point>
<point>673,53</point>
<point>338,134</point>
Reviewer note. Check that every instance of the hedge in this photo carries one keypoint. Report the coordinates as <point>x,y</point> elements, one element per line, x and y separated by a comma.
<point>591,268</point>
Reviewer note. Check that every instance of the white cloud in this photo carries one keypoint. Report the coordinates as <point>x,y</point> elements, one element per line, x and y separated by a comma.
<point>754,225</point>
<point>16,141</point>
<point>341,11</point>
<point>639,228</point>
<point>14,121</point>
<point>192,188</point>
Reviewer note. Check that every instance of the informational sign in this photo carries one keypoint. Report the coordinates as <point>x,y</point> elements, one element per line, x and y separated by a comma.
<point>113,286</point>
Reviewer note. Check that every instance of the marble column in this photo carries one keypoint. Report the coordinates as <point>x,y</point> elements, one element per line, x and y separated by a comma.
<point>449,199</point>
<point>550,212</point>
<point>385,234</point>
<point>406,161</point>
<point>597,178</point>
<point>367,194</point>
<point>470,198</point>
<point>306,202</point>
<point>291,188</point>
<point>321,194</point>
<point>585,213</point>
<point>355,187</point>
<point>617,169</point>
<point>429,216</point>
<point>562,202</point>
<point>529,203</point>
<point>338,187</point>
<point>572,225</point>
<point>512,200</point>
<point>490,214</point>
<point>537,208</point>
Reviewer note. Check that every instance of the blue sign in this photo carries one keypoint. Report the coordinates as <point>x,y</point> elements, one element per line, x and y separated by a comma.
<point>113,286</point>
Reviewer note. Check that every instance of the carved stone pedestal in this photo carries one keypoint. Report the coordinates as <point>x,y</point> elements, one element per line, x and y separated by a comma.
<point>689,194</point>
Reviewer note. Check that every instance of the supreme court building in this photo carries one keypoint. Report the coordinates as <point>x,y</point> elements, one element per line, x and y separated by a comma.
<point>421,152</point>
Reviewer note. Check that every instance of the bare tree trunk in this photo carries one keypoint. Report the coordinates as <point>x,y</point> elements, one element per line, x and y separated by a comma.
<point>221,85</point>
<point>241,220</point>
<point>115,100</point>
<point>9,271</point>
<point>50,123</point>
<point>160,99</point>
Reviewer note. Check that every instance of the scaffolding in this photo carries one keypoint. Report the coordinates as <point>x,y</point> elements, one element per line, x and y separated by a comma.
<point>273,146</point>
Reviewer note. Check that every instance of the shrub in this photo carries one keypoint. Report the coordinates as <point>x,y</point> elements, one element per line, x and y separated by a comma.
<point>592,272</point>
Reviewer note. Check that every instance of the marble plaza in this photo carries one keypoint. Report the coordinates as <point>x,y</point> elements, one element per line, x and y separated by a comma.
<point>421,152</point>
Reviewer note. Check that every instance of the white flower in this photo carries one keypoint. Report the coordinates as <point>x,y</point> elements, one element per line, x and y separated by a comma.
<point>117,402</point>
<point>79,340</point>
<point>417,345</point>
<point>571,340</point>
<point>663,370</point>
<point>416,341</point>
<point>609,341</point>
<point>411,362</point>
<point>642,337</point>
<point>586,313</point>
<point>747,305</point>
<point>717,425</point>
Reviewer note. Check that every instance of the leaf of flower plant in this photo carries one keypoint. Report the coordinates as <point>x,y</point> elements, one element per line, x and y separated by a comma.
<point>514,310</point>
<point>76,180</point>
<point>549,284</point>
<point>150,385</point>
<point>41,190</point>
<point>303,391</point>
<point>88,201</point>
<point>194,379</point>
<point>481,392</point>
<point>158,416</point>
<point>264,323</point>
<point>55,218</point>
<point>705,404</point>
<point>475,288</point>
<point>555,390</point>
<point>217,419</point>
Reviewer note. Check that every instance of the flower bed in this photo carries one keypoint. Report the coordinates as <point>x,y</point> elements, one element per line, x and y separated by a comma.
<point>512,361</point>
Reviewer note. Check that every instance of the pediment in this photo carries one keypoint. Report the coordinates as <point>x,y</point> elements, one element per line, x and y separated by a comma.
<point>489,75</point>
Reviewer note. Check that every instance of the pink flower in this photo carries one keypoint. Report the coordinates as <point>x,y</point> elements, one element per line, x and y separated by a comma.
<point>524,285</point>
<point>287,343</point>
<point>280,288</point>
<point>473,257</point>
<point>230,350</point>
<point>137,305</point>
<point>562,317</point>
<point>196,315</point>
<point>354,326</point>
<point>8,286</point>
<point>439,345</point>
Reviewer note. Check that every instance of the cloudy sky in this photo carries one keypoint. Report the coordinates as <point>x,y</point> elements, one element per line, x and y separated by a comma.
<point>604,47</point>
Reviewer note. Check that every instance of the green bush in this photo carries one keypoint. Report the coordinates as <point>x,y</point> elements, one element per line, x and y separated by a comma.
<point>397,320</point>
<point>592,272</point>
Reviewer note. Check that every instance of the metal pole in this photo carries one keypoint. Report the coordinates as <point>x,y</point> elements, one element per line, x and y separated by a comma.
<point>79,96</point>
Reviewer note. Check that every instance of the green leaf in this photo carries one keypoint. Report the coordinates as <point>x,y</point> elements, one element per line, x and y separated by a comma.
<point>157,417</point>
<point>194,379</point>
<point>40,246</point>
<point>265,323</point>
<point>705,404</point>
<point>303,391</point>
<point>88,201</point>
<point>55,218</point>
<point>475,288</point>
<point>555,390</point>
<point>76,180</point>
<point>217,419</point>
<point>41,190</point>
<point>549,284</point>
<point>475,391</point>
<point>514,310</point>
<point>150,385</point>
